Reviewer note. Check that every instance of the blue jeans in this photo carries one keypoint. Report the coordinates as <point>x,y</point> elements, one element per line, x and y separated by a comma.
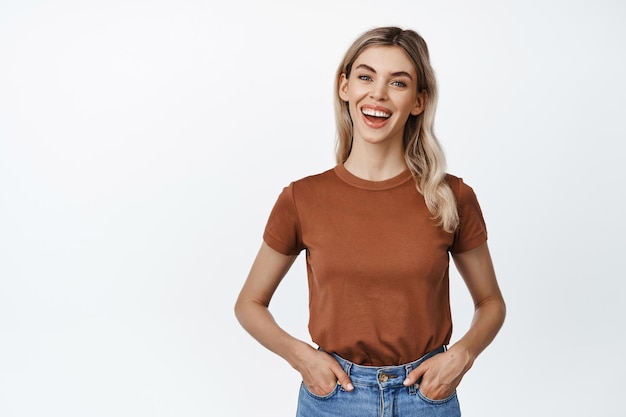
<point>378,392</point>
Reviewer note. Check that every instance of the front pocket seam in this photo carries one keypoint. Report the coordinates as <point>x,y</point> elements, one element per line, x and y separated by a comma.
<point>435,402</point>
<point>320,397</point>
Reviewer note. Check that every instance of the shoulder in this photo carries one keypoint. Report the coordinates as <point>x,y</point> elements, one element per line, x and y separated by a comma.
<point>316,178</point>
<point>472,230</point>
<point>453,182</point>
<point>315,181</point>
<point>309,187</point>
<point>462,191</point>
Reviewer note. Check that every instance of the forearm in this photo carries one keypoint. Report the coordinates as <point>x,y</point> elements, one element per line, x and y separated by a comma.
<point>320,372</point>
<point>487,321</point>
<point>251,308</point>
<point>257,320</point>
<point>443,373</point>
<point>477,270</point>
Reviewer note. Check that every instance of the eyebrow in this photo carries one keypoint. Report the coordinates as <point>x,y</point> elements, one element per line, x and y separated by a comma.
<point>395,74</point>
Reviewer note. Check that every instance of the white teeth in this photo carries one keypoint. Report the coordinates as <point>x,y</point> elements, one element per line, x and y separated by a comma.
<point>375,113</point>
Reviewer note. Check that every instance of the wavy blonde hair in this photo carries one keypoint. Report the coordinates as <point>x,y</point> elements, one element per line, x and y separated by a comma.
<point>423,152</point>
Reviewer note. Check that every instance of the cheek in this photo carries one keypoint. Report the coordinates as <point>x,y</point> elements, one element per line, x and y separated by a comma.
<point>408,104</point>
<point>352,109</point>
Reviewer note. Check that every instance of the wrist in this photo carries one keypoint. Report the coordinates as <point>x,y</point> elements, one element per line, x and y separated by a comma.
<point>464,352</point>
<point>297,353</point>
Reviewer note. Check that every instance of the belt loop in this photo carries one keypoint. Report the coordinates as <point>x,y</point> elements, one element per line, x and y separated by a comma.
<point>348,367</point>
<point>412,387</point>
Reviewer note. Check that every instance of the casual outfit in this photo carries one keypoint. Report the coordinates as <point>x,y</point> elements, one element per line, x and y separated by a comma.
<point>377,267</point>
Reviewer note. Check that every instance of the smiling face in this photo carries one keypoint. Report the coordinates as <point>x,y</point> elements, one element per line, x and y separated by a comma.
<point>381,92</point>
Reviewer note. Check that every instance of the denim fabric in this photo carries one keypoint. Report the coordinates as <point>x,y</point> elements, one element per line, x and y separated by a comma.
<point>378,392</point>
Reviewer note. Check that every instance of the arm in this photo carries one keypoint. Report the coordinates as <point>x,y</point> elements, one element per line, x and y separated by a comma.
<point>442,373</point>
<point>320,372</point>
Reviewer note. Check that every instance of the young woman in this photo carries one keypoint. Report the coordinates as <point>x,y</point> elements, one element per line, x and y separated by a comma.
<point>377,230</point>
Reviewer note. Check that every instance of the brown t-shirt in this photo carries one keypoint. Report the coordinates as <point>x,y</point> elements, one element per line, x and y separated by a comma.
<point>377,263</point>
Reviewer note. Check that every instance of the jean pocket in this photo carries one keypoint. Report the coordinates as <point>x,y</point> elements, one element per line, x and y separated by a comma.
<point>321,397</point>
<point>436,402</point>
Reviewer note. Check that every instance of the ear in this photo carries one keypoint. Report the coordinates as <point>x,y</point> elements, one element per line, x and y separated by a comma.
<point>420,103</point>
<point>343,87</point>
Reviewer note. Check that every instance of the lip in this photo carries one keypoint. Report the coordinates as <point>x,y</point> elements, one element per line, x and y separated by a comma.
<point>377,108</point>
<point>378,123</point>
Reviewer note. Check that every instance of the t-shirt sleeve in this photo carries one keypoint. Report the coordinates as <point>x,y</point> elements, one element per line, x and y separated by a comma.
<point>282,231</point>
<point>472,231</point>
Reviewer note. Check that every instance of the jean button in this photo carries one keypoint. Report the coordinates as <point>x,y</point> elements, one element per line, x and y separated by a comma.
<point>383,377</point>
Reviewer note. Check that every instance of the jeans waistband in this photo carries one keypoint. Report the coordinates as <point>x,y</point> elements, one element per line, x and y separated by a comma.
<point>382,375</point>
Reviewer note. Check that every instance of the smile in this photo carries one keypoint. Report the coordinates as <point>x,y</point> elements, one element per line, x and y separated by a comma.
<point>375,113</point>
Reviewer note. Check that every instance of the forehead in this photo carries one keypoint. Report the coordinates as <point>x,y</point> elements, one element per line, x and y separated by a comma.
<point>385,59</point>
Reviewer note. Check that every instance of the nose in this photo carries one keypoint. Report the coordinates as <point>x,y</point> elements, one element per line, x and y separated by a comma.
<point>378,91</point>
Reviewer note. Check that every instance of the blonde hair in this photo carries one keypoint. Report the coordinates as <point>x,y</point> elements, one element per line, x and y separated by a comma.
<point>423,152</point>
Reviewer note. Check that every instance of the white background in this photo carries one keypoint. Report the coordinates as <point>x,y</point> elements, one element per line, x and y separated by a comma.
<point>143,144</point>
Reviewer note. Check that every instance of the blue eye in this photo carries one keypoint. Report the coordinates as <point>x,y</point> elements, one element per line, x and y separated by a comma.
<point>365,78</point>
<point>398,83</point>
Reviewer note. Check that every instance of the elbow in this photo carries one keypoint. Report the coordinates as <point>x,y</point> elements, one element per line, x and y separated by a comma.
<point>500,309</point>
<point>238,309</point>
<point>494,307</point>
<point>246,309</point>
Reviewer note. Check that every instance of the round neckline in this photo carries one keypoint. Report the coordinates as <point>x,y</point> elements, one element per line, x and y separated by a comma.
<point>364,184</point>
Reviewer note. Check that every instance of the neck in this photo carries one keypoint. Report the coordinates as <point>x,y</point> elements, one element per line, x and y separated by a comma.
<point>375,164</point>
